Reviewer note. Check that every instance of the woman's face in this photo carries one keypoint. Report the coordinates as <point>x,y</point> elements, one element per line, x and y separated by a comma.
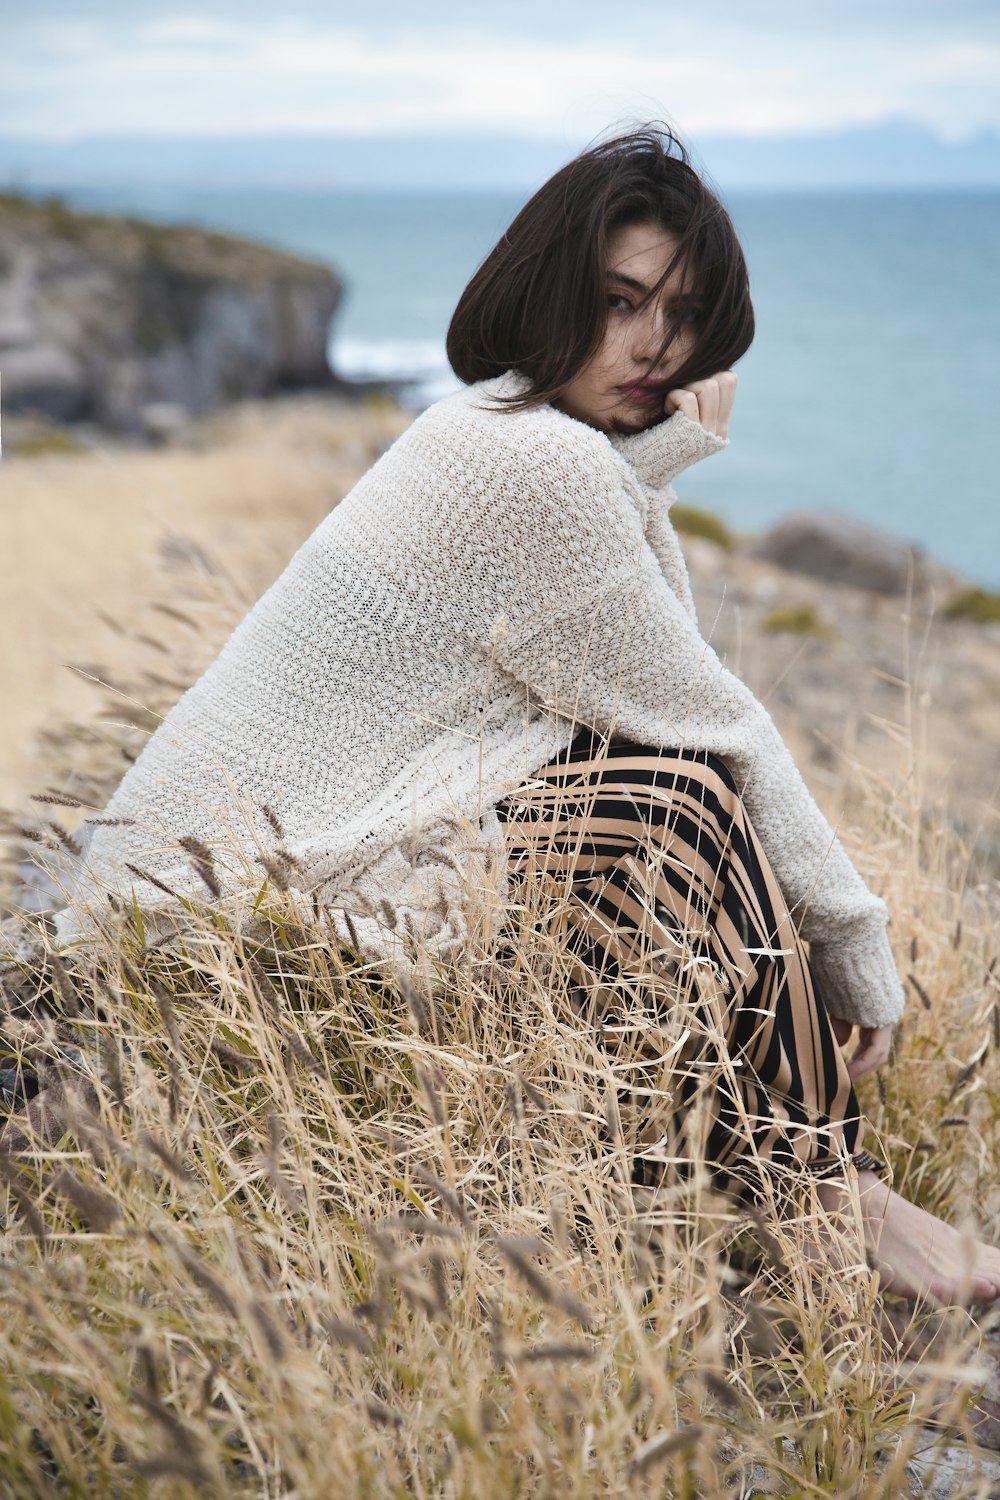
<point>617,390</point>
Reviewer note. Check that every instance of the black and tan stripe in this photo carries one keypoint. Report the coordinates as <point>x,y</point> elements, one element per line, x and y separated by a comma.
<point>680,930</point>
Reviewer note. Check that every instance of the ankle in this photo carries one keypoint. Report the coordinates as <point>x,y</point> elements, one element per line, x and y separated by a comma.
<point>837,1193</point>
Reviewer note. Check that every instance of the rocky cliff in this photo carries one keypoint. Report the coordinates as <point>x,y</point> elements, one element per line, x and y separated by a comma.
<point>115,320</point>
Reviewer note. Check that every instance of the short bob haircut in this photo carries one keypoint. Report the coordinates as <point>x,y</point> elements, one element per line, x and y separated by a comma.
<point>538,304</point>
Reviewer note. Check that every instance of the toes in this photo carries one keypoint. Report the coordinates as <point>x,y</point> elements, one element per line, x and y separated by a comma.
<point>985,1289</point>
<point>988,1272</point>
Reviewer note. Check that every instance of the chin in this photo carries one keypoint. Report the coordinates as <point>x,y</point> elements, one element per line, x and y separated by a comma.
<point>637,421</point>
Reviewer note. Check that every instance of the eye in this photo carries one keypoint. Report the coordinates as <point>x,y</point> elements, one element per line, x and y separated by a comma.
<point>618,302</point>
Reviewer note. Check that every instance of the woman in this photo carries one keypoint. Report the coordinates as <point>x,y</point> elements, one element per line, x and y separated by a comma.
<point>486,662</point>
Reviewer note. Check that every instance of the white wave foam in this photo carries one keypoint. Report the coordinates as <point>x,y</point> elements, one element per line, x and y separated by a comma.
<point>417,369</point>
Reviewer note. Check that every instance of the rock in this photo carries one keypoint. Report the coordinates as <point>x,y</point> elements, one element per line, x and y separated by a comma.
<point>46,379</point>
<point>951,1470</point>
<point>107,319</point>
<point>16,326</point>
<point>838,549</point>
<point>164,421</point>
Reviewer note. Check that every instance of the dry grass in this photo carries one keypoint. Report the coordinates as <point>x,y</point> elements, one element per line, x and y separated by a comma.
<point>286,1231</point>
<point>87,536</point>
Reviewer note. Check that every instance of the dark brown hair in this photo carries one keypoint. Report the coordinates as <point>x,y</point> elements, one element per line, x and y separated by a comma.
<point>538,303</point>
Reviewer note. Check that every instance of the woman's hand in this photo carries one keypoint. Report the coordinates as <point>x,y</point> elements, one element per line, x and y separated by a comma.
<point>708,402</point>
<point>872,1049</point>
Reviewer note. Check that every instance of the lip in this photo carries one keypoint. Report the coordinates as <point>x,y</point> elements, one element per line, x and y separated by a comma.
<point>643,390</point>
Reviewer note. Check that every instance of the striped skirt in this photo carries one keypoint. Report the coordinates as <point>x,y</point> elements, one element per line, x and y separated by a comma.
<point>684,955</point>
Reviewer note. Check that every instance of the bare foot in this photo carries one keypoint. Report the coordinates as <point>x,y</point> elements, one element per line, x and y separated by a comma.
<point>915,1254</point>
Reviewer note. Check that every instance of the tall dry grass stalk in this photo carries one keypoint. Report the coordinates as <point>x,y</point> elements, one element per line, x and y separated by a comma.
<point>274,1227</point>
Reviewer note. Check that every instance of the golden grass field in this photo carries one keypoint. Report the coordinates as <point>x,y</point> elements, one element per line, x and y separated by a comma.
<point>87,536</point>
<point>276,1229</point>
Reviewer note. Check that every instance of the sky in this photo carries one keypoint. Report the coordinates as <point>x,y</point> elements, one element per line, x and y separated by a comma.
<point>567,69</point>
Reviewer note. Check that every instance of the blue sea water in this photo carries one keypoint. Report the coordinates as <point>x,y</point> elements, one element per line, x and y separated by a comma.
<point>873,385</point>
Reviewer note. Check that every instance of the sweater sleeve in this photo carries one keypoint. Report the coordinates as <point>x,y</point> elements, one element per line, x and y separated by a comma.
<point>638,662</point>
<point>658,454</point>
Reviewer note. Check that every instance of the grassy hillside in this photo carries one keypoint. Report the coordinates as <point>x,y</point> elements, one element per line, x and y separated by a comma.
<point>274,1228</point>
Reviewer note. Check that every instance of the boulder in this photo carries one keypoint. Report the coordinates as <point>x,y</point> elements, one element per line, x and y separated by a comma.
<point>44,378</point>
<point>103,317</point>
<point>164,422</point>
<point>839,549</point>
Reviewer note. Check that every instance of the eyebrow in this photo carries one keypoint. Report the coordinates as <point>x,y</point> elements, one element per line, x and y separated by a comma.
<point>629,281</point>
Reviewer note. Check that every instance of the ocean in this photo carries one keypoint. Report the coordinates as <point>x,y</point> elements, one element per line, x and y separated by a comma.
<point>873,385</point>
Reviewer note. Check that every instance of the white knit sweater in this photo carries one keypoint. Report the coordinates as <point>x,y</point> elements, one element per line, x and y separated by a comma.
<point>494,582</point>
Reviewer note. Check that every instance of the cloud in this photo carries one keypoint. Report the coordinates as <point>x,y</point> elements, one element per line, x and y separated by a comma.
<point>200,30</point>
<point>202,75</point>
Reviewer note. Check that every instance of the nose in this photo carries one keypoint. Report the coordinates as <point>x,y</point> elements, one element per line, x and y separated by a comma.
<point>652,327</point>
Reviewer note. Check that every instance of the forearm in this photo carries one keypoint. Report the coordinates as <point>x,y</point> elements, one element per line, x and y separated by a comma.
<point>632,658</point>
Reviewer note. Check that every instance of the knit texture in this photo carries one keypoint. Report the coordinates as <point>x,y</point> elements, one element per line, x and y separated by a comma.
<point>497,580</point>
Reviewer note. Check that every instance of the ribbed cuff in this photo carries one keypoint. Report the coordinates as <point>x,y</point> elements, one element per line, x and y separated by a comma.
<point>859,983</point>
<point>662,452</point>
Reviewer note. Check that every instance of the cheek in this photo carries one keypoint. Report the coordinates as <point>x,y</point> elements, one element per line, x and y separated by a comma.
<point>685,346</point>
<point>613,354</point>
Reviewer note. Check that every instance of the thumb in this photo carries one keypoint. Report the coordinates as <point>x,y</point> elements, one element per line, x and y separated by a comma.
<point>842,1030</point>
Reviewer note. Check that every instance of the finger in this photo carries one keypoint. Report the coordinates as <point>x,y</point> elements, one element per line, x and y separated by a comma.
<point>716,396</point>
<point>708,404</point>
<point>684,401</point>
<point>871,1054</point>
<point>860,1062</point>
<point>727,395</point>
<point>707,392</point>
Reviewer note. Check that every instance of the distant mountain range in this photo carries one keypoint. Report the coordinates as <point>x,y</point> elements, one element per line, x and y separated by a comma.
<point>895,154</point>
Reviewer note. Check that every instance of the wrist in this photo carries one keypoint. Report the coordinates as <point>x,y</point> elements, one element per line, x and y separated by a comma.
<point>658,454</point>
